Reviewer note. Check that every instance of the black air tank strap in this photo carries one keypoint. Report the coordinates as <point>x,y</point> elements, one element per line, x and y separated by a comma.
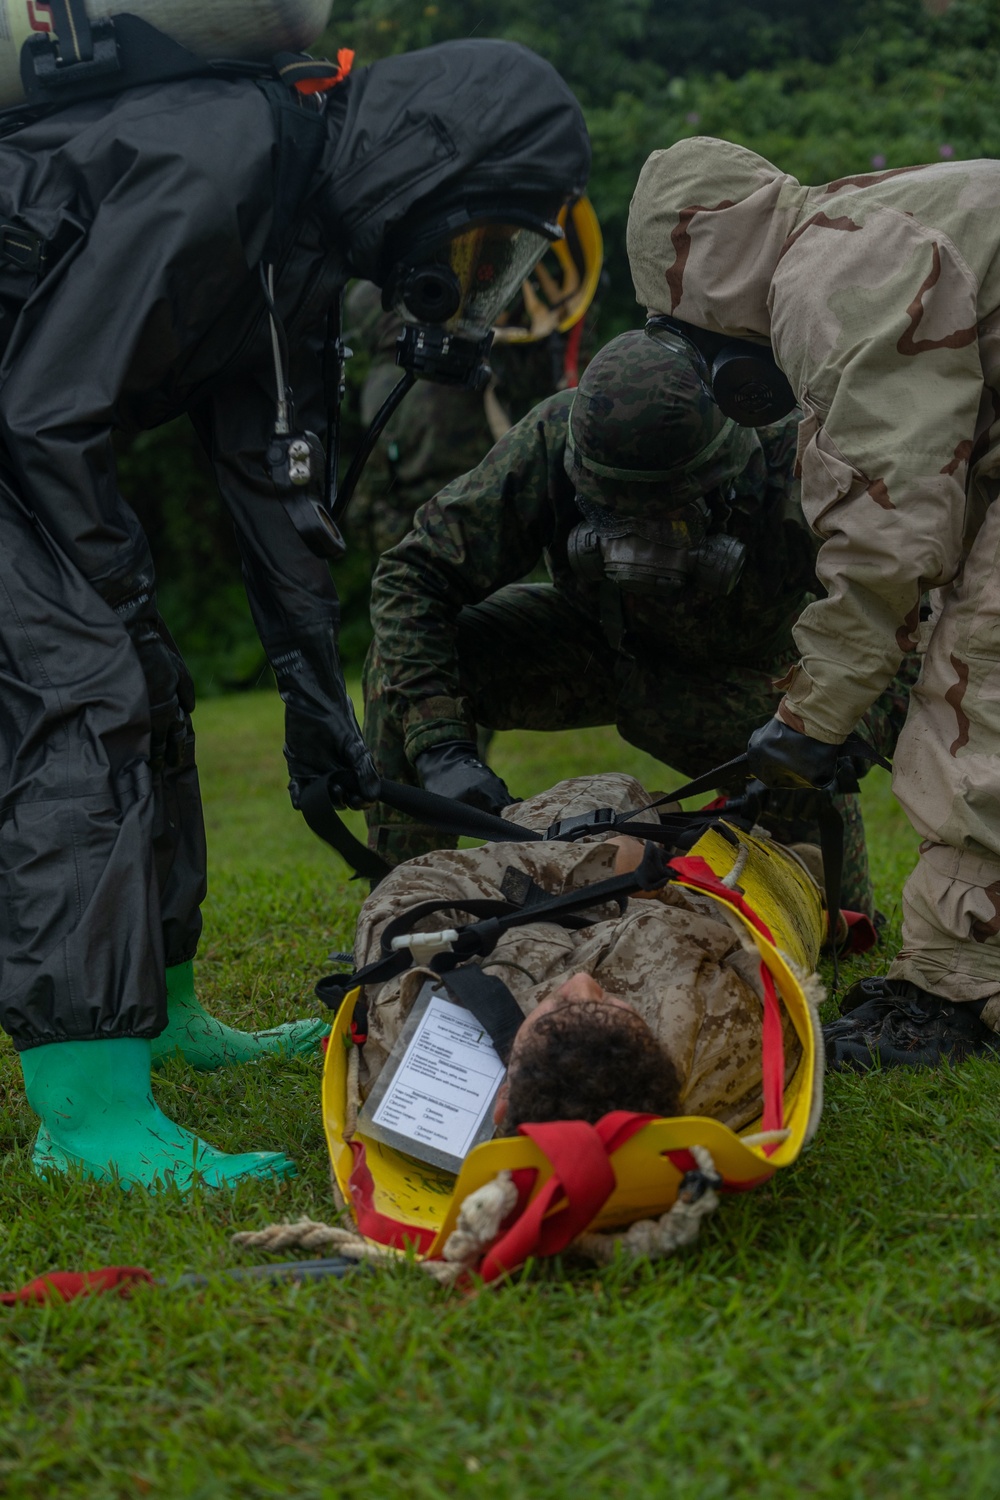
<point>72,28</point>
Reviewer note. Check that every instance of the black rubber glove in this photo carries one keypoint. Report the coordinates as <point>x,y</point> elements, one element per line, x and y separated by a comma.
<point>322,738</point>
<point>352,782</point>
<point>453,769</point>
<point>780,756</point>
<point>350,775</point>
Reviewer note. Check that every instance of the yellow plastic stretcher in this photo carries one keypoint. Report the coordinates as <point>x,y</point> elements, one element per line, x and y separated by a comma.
<point>399,1201</point>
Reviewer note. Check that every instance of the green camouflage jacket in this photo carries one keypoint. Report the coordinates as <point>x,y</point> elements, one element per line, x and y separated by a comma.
<point>437,432</point>
<point>496,524</point>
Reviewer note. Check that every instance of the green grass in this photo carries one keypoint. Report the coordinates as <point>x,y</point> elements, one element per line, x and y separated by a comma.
<point>835,1333</point>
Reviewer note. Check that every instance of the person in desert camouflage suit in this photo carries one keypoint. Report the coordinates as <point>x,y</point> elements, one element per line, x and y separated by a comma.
<point>655,1009</point>
<point>684,669</point>
<point>880,296</point>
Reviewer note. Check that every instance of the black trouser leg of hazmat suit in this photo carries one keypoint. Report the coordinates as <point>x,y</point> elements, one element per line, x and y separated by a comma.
<point>102,864</point>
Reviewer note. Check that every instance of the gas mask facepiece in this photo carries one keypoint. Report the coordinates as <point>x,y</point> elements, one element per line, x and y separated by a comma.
<point>451,286</point>
<point>662,557</point>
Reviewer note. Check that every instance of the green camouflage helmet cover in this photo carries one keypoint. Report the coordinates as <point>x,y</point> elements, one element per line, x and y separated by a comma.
<point>645,432</point>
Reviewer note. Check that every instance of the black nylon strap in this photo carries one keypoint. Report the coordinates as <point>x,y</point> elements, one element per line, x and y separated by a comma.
<point>483,908</point>
<point>488,999</point>
<point>72,27</point>
<point>318,811</point>
<point>302,133</point>
<point>479,938</point>
<point>457,818</point>
<point>701,784</point>
<point>831,844</point>
<point>452,816</point>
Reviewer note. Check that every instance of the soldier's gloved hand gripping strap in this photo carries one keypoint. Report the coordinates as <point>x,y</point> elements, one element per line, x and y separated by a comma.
<point>675,831</point>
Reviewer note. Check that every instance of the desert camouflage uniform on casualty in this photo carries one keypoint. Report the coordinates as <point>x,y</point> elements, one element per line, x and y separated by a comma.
<point>676,958</point>
<point>880,295</point>
<point>439,431</point>
<point>684,673</point>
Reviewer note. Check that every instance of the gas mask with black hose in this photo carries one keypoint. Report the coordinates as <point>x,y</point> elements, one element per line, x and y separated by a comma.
<point>452,283</point>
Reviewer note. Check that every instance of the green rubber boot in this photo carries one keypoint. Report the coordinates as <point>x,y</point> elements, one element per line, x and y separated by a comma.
<point>207,1044</point>
<point>98,1114</point>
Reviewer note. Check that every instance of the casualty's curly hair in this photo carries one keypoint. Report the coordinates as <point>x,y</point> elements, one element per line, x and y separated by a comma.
<point>584,1059</point>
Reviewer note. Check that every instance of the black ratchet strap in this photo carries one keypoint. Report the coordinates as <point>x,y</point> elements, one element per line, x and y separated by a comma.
<point>493,919</point>
<point>451,816</point>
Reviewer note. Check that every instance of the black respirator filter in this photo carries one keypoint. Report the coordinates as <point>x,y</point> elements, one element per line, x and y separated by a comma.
<point>749,387</point>
<point>745,380</point>
<point>431,293</point>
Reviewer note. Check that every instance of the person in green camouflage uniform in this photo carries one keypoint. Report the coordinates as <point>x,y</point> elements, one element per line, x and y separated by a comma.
<point>684,666</point>
<point>439,431</point>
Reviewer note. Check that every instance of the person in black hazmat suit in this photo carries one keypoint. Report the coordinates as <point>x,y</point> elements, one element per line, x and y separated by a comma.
<point>135,230</point>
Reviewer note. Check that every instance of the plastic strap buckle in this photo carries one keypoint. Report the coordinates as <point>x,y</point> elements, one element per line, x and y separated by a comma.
<point>424,946</point>
<point>359,1023</point>
<point>567,830</point>
<point>22,248</point>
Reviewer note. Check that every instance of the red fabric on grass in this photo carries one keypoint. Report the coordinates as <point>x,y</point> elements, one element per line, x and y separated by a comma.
<point>65,1286</point>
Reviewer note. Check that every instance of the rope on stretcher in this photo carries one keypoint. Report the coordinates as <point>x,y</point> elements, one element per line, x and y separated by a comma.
<point>483,1213</point>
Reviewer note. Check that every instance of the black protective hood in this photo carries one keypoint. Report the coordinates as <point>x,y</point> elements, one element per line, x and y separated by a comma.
<point>480,120</point>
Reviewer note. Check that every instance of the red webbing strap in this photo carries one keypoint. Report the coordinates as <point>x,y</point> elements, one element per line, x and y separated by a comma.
<point>571,357</point>
<point>64,1286</point>
<point>582,1181</point>
<point>699,873</point>
<point>378,1226</point>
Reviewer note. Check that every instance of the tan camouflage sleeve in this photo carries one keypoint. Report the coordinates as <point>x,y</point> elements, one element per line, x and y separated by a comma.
<point>887,362</point>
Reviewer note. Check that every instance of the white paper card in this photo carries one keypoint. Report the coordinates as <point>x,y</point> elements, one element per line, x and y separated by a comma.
<point>445,1084</point>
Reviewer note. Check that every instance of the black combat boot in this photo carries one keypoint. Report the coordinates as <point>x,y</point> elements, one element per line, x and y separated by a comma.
<point>892,1023</point>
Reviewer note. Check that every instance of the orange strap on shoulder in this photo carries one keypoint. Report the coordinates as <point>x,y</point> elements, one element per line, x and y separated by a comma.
<point>329,79</point>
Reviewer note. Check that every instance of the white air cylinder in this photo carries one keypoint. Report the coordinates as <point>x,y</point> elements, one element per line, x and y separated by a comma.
<point>209,28</point>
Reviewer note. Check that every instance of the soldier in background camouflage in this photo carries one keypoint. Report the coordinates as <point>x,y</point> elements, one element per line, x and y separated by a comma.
<point>880,294</point>
<point>684,673</point>
<point>439,431</point>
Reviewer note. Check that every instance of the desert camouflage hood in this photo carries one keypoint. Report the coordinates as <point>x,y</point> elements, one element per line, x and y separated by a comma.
<point>693,204</point>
